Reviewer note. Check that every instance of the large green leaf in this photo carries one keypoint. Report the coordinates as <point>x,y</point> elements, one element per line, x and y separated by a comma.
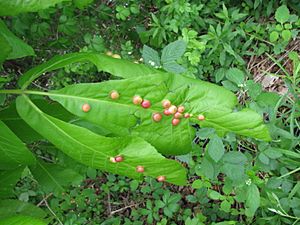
<point>22,220</point>
<point>117,67</point>
<point>53,177</point>
<point>95,150</point>
<point>11,118</point>
<point>8,180</point>
<point>13,152</point>
<point>18,47</point>
<point>14,7</point>
<point>123,117</point>
<point>12,207</point>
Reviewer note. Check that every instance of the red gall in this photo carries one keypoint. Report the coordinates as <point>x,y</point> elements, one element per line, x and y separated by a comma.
<point>156,117</point>
<point>146,104</point>
<point>175,122</point>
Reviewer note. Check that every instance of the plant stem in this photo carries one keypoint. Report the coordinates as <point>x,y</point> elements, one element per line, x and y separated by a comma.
<point>20,92</point>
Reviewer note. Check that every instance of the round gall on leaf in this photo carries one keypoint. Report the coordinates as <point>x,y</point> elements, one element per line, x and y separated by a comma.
<point>156,117</point>
<point>109,53</point>
<point>161,178</point>
<point>112,159</point>
<point>167,112</point>
<point>177,115</point>
<point>175,122</point>
<point>140,169</point>
<point>180,109</point>
<point>119,158</point>
<point>172,109</point>
<point>114,95</point>
<point>146,104</point>
<point>86,107</point>
<point>187,115</point>
<point>137,100</point>
<point>166,103</point>
<point>201,117</point>
<point>116,56</point>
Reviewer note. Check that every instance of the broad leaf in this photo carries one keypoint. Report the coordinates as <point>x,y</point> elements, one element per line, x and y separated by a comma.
<point>8,180</point>
<point>11,118</point>
<point>96,151</point>
<point>22,220</point>
<point>282,14</point>
<point>12,207</point>
<point>215,148</point>
<point>53,177</point>
<point>13,152</point>
<point>18,47</point>
<point>252,200</point>
<point>117,67</point>
<point>122,117</point>
<point>14,7</point>
<point>150,56</point>
<point>173,51</point>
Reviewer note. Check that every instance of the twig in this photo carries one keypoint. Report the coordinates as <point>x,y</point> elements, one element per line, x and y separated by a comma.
<point>44,199</point>
<point>121,209</point>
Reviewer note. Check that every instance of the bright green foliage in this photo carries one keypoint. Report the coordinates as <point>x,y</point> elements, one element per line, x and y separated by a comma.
<point>10,208</point>
<point>8,180</point>
<point>13,152</point>
<point>22,220</point>
<point>95,150</point>
<point>14,7</point>
<point>53,177</point>
<point>14,47</point>
<point>122,117</point>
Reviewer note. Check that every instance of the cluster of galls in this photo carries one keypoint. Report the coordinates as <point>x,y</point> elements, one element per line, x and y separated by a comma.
<point>169,109</point>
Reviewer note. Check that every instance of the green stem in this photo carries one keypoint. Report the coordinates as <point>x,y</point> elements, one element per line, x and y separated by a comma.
<point>20,92</point>
<point>289,173</point>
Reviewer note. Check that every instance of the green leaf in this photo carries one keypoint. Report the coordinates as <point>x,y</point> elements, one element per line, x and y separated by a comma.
<point>131,119</point>
<point>273,153</point>
<point>229,85</point>
<point>173,67</point>
<point>150,56</point>
<point>14,7</point>
<point>236,76</point>
<point>282,14</point>
<point>252,200</point>
<point>96,151</point>
<point>13,152</point>
<point>215,148</point>
<point>286,35</point>
<point>22,220</point>
<point>199,97</point>
<point>11,118</point>
<point>53,177</point>
<point>263,158</point>
<point>274,36</point>
<point>5,49</point>
<point>117,67</point>
<point>235,158</point>
<point>173,51</point>
<point>18,47</point>
<point>214,195</point>
<point>11,207</point>
<point>8,180</point>
<point>81,4</point>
